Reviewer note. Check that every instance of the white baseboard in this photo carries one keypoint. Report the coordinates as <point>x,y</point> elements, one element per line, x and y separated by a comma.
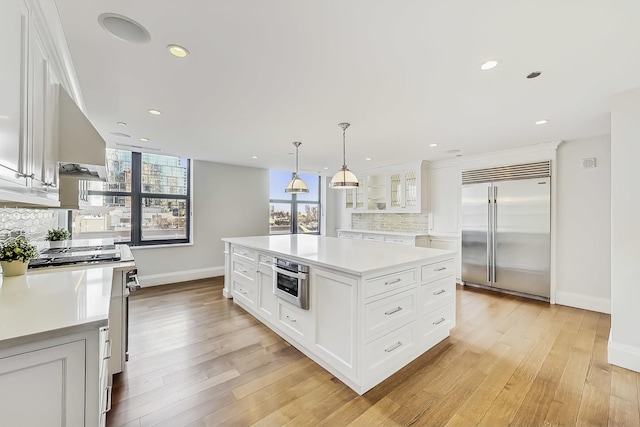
<point>601,305</point>
<point>179,276</point>
<point>624,355</point>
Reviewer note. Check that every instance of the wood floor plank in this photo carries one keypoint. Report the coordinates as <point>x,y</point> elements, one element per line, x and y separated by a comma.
<point>197,359</point>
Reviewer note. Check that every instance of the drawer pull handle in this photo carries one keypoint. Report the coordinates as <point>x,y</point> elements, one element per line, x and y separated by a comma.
<point>440,320</point>
<point>440,292</point>
<point>393,347</point>
<point>391,282</point>
<point>108,403</point>
<point>390,312</point>
<point>107,353</point>
<point>440,269</point>
<point>290,319</point>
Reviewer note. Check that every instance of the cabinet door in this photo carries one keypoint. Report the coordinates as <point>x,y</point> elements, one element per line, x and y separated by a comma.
<point>333,301</point>
<point>411,195</point>
<point>377,192</point>
<point>266,298</point>
<point>14,30</point>
<point>42,108</point>
<point>44,387</point>
<point>395,185</point>
<point>444,186</point>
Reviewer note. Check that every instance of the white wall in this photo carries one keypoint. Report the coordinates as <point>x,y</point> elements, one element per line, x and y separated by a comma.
<point>583,218</point>
<point>228,201</point>
<point>624,341</point>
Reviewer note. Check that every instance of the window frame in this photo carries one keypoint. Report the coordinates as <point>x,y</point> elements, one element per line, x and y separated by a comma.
<point>137,195</point>
<point>294,203</point>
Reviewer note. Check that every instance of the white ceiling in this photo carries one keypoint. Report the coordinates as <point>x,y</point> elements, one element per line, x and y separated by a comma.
<point>404,73</point>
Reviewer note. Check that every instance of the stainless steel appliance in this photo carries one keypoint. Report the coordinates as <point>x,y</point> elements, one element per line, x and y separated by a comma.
<point>291,282</point>
<point>89,253</point>
<point>506,229</point>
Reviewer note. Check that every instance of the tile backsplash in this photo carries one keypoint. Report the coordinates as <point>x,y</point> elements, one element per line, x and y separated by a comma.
<point>410,223</point>
<point>32,223</point>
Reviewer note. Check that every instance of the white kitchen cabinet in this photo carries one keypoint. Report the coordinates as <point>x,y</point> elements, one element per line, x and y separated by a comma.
<point>334,304</point>
<point>266,298</point>
<point>55,382</point>
<point>14,29</point>
<point>449,244</point>
<point>400,189</point>
<point>361,328</point>
<point>444,193</point>
<point>376,191</point>
<point>409,239</point>
<point>354,197</point>
<point>28,153</point>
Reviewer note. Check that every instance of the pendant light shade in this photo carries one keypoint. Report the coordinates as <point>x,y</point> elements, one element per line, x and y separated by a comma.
<point>296,185</point>
<point>344,178</point>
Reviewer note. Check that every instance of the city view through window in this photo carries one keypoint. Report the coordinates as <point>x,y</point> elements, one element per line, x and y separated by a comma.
<point>146,199</point>
<point>293,213</point>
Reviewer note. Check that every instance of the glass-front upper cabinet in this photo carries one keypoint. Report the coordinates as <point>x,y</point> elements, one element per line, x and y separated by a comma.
<point>355,197</point>
<point>411,197</point>
<point>405,190</point>
<point>377,192</point>
<point>395,184</point>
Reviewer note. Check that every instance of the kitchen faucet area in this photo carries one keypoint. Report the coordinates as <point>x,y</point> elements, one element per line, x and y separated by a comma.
<point>319,213</point>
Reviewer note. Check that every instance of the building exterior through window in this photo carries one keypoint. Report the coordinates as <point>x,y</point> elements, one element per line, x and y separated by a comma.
<point>293,213</point>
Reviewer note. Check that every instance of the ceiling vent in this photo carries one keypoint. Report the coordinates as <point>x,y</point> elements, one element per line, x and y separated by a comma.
<point>124,28</point>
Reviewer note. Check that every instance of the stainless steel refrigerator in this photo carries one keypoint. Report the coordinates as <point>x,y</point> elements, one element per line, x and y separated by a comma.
<point>506,228</point>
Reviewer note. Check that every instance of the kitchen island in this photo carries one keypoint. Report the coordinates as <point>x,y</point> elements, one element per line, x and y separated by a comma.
<point>372,308</point>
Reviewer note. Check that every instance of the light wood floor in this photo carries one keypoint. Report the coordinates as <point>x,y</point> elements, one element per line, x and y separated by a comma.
<point>197,359</point>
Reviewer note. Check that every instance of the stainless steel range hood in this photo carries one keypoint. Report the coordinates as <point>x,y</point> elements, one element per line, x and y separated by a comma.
<point>81,149</point>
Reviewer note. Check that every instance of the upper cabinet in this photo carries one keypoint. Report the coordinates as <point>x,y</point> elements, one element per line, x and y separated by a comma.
<point>444,184</point>
<point>14,30</point>
<point>401,188</point>
<point>28,105</point>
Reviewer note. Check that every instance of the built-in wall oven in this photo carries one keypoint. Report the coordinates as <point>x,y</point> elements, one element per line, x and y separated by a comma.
<point>291,282</point>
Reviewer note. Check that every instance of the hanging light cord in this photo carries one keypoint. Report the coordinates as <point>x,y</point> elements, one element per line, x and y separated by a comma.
<point>297,144</point>
<point>344,127</point>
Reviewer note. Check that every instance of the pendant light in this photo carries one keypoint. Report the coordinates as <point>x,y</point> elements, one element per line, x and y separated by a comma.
<point>297,185</point>
<point>344,178</point>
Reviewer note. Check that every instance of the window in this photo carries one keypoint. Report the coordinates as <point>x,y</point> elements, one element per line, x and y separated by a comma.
<point>294,213</point>
<point>145,201</point>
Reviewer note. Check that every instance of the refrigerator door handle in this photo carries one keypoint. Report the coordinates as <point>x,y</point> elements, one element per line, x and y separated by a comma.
<point>489,234</point>
<point>493,234</point>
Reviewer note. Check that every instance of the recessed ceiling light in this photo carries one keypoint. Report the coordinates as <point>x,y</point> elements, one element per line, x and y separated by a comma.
<point>254,157</point>
<point>120,134</point>
<point>144,139</point>
<point>326,168</point>
<point>121,123</point>
<point>155,112</point>
<point>542,122</point>
<point>368,158</point>
<point>488,65</point>
<point>178,51</point>
<point>433,145</point>
<point>124,28</point>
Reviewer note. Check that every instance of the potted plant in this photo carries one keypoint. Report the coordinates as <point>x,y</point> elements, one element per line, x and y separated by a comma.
<point>57,235</point>
<point>15,254</point>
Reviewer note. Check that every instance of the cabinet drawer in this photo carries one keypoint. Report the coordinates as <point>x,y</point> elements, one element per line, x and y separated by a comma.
<point>384,353</point>
<point>373,237</point>
<point>265,260</point>
<point>389,282</point>
<point>243,268</point>
<point>243,252</point>
<point>443,317</point>
<point>389,313</point>
<point>348,235</point>
<point>292,319</point>
<point>246,292</point>
<point>411,241</point>
<point>436,294</point>
<point>437,271</point>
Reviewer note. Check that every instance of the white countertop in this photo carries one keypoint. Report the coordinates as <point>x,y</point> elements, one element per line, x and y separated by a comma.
<point>351,256</point>
<point>51,302</point>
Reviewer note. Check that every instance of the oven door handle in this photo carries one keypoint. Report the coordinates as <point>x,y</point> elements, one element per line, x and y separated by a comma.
<point>302,276</point>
